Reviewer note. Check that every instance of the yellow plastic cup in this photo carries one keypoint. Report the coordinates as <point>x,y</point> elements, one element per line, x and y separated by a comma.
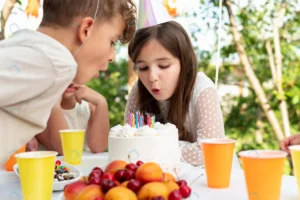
<point>36,171</point>
<point>218,156</point>
<point>295,152</point>
<point>72,143</point>
<point>263,171</point>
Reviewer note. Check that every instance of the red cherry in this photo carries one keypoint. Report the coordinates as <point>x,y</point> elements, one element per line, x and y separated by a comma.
<point>185,191</point>
<point>98,170</point>
<point>128,175</point>
<point>131,166</point>
<point>98,198</point>
<point>175,195</point>
<point>181,183</point>
<point>158,198</point>
<point>134,185</point>
<point>139,163</point>
<point>95,180</point>
<point>119,175</point>
<point>109,176</point>
<point>107,184</point>
<point>93,174</point>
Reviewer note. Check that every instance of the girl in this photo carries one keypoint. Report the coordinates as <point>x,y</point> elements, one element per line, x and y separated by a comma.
<point>170,87</point>
<point>75,113</point>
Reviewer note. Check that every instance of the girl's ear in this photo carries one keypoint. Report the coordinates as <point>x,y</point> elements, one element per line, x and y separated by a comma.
<point>85,29</point>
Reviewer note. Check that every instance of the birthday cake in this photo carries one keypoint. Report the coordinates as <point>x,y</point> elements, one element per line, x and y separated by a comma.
<point>151,142</point>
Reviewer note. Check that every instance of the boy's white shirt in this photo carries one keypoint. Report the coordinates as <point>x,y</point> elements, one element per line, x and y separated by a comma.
<point>35,69</point>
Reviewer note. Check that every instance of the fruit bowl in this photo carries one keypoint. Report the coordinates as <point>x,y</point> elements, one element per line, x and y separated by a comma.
<point>59,186</point>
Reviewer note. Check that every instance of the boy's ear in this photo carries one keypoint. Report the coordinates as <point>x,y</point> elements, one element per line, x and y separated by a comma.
<point>85,28</point>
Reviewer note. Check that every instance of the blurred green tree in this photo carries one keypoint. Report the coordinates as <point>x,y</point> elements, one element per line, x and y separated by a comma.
<point>112,84</point>
<point>261,48</point>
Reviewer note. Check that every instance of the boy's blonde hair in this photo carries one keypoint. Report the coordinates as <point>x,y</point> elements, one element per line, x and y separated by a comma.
<point>62,13</point>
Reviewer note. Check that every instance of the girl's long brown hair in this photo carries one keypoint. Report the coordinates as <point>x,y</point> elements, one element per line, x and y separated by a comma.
<point>174,38</point>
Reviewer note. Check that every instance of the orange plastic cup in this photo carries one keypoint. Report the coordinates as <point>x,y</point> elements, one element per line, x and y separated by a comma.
<point>218,156</point>
<point>263,171</point>
<point>12,160</point>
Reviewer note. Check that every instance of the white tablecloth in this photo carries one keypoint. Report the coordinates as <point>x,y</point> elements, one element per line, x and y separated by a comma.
<point>10,187</point>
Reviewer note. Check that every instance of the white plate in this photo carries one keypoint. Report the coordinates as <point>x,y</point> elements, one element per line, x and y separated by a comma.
<point>61,197</point>
<point>59,186</point>
<point>89,162</point>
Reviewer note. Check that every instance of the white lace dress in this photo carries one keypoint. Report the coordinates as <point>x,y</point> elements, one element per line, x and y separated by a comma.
<point>204,119</point>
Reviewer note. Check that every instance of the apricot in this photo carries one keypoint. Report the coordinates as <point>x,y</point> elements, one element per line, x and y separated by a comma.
<point>85,179</point>
<point>73,190</point>
<point>115,166</point>
<point>124,184</point>
<point>117,183</point>
<point>91,192</point>
<point>153,189</point>
<point>169,177</point>
<point>171,185</point>
<point>149,172</point>
<point>120,192</point>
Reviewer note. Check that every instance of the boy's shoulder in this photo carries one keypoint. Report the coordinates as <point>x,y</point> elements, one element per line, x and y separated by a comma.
<point>33,46</point>
<point>29,38</point>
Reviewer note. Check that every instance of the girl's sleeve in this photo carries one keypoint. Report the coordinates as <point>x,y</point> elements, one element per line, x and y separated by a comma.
<point>209,125</point>
<point>131,105</point>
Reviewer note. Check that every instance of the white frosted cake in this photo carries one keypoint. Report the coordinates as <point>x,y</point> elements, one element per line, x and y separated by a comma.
<point>159,144</point>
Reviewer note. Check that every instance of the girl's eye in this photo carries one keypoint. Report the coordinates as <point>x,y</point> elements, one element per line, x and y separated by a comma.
<point>142,68</point>
<point>113,43</point>
<point>164,67</point>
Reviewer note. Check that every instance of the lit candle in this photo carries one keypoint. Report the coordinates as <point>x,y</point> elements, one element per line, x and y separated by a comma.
<point>152,121</point>
<point>148,120</point>
<point>137,117</point>
<point>130,119</point>
<point>141,120</point>
<point>133,120</point>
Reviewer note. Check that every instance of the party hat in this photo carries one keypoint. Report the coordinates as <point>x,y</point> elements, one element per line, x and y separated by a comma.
<point>152,12</point>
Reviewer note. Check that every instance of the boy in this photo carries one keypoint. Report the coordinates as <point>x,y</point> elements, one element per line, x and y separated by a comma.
<point>74,42</point>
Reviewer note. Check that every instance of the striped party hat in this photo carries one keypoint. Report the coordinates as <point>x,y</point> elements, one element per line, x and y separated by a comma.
<point>152,12</point>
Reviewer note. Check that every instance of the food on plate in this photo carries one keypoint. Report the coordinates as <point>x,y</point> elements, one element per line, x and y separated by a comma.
<point>130,181</point>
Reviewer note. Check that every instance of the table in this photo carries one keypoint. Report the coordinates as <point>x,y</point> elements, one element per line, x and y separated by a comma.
<point>10,187</point>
